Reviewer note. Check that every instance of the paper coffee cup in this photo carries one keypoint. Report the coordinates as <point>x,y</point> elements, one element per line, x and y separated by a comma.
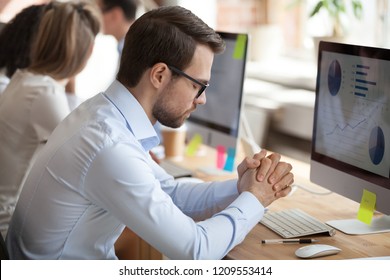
<point>174,141</point>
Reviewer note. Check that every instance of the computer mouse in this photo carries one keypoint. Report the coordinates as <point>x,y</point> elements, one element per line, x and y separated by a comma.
<point>316,250</point>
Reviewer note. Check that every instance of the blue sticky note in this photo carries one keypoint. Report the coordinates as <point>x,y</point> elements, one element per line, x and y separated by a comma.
<point>229,164</point>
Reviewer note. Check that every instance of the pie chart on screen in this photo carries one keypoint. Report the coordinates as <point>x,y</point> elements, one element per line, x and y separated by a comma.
<point>334,77</point>
<point>377,145</point>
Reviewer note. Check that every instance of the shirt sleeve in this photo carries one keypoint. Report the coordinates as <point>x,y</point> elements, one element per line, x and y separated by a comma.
<point>121,182</point>
<point>201,200</point>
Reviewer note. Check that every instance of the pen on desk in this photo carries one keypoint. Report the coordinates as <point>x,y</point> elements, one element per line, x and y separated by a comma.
<point>288,241</point>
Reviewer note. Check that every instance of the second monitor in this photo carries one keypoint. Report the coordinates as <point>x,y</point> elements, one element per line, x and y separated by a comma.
<point>351,136</point>
<point>218,121</point>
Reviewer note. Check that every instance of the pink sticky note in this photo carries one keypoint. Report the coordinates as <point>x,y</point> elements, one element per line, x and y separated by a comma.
<point>220,156</point>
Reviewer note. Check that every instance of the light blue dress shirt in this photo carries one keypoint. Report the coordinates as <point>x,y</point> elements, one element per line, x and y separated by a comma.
<point>95,176</point>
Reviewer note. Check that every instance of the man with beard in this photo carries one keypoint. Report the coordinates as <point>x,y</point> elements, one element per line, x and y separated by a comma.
<point>95,175</point>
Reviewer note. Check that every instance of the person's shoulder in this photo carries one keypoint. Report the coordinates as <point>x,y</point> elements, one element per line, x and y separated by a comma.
<point>42,85</point>
<point>4,81</point>
<point>26,79</point>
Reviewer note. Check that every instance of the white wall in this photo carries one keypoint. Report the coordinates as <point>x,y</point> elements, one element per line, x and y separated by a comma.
<point>101,68</point>
<point>204,9</point>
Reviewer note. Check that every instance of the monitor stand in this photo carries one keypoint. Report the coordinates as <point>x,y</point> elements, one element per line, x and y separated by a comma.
<point>355,227</point>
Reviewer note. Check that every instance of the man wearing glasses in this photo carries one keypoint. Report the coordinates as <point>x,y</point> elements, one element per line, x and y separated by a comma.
<point>95,175</point>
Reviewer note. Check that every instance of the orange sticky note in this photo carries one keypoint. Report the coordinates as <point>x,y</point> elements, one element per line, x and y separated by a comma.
<point>367,207</point>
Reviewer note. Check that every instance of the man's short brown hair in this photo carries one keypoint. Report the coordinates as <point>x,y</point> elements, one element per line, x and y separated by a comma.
<point>167,34</point>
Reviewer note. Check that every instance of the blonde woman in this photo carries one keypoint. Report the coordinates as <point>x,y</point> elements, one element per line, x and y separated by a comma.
<point>35,101</point>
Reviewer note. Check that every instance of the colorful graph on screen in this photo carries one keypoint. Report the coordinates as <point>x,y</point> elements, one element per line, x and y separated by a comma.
<point>354,125</point>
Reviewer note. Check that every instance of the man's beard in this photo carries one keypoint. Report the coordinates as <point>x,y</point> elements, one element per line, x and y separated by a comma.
<point>166,112</point>
<point>167,118</point>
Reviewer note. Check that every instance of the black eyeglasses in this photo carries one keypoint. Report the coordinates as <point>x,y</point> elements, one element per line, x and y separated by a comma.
<point>202,85</point>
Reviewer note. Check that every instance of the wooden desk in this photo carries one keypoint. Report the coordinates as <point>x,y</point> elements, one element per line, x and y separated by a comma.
<point>323,207</point>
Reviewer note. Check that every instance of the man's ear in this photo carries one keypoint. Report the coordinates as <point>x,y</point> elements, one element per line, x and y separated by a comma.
<point>160,75</point>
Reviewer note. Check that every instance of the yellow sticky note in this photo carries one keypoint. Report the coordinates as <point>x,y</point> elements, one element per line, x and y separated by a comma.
<point>367,207</point>
<point>239,48</point>
<point>194,144</point>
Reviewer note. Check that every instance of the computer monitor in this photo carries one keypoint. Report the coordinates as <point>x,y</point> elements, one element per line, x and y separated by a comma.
<point>218,121</point>
<point>351,135</point>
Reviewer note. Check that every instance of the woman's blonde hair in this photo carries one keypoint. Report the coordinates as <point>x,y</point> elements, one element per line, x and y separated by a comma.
<point>65,37</point>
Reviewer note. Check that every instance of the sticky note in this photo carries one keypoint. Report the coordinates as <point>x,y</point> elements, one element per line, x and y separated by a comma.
<point>367,207</point>
<point>229,164</point>
<point>239,48</point>
<point>220,156</point>
<point>194,144</point>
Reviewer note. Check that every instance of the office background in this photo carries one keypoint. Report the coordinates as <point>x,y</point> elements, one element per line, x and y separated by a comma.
<point>281,68</point>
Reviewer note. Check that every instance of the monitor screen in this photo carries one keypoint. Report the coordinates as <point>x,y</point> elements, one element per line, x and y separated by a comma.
<point>351,135</point>
<point>218,120</point>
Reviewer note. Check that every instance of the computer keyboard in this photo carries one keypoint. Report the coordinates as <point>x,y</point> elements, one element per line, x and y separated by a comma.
<point>174,169</point>
<point>292,223</point>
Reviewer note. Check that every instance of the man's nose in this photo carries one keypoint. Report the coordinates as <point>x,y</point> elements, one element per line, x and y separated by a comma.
<point>201,100</point>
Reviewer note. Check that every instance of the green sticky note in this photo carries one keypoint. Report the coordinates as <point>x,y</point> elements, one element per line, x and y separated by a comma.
<point>194,144</point>
<point>367,207</point>
<point>239,48</point>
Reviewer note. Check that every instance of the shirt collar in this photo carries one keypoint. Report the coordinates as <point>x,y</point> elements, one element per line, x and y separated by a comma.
<point>120,46</point>
<point>136,118</point>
